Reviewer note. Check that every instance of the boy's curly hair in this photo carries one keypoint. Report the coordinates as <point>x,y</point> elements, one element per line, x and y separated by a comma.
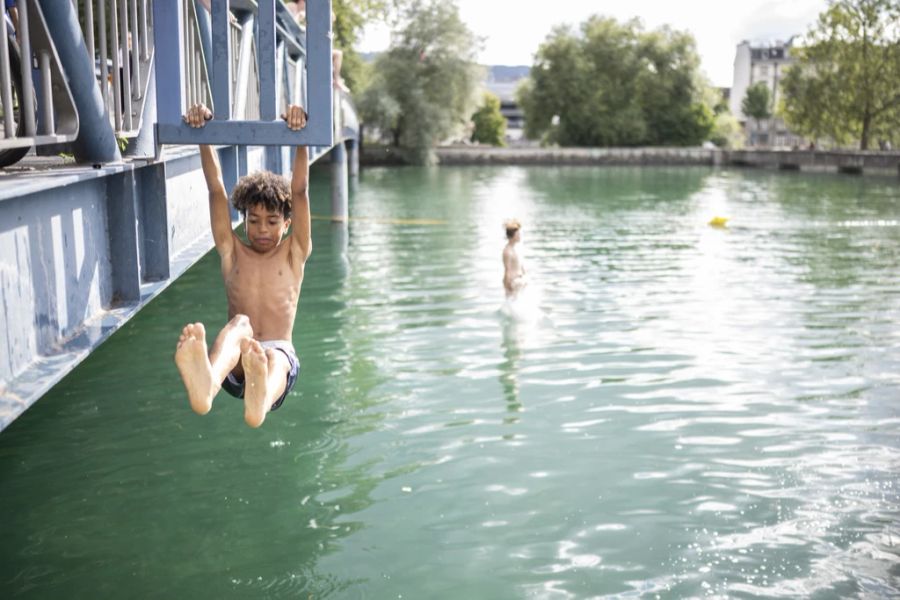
<point>263,187</point>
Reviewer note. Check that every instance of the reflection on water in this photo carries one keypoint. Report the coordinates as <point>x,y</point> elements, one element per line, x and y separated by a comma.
<point>689,411</point>
<point>509,376</point>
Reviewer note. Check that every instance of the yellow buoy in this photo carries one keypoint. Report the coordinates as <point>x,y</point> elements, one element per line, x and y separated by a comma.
<point>719,221</point>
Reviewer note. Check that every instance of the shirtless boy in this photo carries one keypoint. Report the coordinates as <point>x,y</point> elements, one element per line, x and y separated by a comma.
<point>513,270</point>
<point>253,357</point>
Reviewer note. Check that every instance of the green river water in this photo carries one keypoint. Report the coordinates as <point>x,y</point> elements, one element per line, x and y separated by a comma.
<point>679,411</point>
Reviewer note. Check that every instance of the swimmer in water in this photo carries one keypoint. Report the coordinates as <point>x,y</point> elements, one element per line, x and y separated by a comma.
<point>513,269</point>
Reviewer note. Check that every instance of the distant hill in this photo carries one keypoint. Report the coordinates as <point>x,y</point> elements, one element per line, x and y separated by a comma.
<point>495,74</point>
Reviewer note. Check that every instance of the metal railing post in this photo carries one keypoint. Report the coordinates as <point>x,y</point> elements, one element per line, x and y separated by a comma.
<point>27,99</point>
<point>125,62</point>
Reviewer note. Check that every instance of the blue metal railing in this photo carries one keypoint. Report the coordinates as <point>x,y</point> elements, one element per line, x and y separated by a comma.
<point>287,56</point>
<point>37,103</point>
<point>251,57</point>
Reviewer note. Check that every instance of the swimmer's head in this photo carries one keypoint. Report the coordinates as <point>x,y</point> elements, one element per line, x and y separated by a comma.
<point>512,227</point>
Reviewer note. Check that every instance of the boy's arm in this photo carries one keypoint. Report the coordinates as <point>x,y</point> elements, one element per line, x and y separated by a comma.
<point>507,269</point>
<point>219,213</point>
<point>296,119</point>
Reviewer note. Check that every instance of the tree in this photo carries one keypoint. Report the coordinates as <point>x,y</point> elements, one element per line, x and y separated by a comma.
<point>613,84</point>
<point>845,82</point>
<point>350,16</point>
<point>727,131</point>
<point>490,124</point>
<point>423,88</point>
<point>757,103</point>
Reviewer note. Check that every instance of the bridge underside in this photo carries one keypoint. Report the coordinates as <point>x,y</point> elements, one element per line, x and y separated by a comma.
<point>82,249</point>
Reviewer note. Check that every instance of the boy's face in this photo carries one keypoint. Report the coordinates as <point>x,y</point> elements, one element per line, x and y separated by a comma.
<point>265,229</point>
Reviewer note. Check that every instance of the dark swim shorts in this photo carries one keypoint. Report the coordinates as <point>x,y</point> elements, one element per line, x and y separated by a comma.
<point>236,388</point>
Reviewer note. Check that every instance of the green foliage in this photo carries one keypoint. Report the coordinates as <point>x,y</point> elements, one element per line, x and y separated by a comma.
<point>757,103</point>
<point>350,16</point>
<point>490,125</point>
<point>423,88</point>
<point>845,83</point>
<point>613,84</point>
<point>727,131</point>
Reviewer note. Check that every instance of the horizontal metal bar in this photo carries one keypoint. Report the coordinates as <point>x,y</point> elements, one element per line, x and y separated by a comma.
<point>250,133</point>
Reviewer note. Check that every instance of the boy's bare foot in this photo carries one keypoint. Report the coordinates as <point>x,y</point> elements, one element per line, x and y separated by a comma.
<point>256,371</point>
<point>193,364</point>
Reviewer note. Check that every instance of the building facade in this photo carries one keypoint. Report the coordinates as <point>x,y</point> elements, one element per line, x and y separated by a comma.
<point>503,81</point>
<point>762,63</point>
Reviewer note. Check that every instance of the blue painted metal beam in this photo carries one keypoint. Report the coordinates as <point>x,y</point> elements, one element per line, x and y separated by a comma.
<point>153,225</point>
<point>318,70</point>
<point>122,216</point>
<point>265,52</point>
<point>221,59</point>
<point>168,33</point>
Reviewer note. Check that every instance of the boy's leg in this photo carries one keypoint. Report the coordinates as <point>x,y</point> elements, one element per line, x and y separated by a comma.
<point>193,364</point>
<point>203,374</point>
<point>226,351</point>
<point>265,377</point>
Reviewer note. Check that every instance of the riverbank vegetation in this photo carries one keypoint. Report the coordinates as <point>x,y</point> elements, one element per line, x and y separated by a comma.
<point>614,84</point>
<point>424,88</point>
<point>488,123</point>
<point>845,83</point>
<point>606,83</point>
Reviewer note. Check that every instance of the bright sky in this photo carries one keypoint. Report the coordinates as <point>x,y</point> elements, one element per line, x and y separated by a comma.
<point>513,29</point>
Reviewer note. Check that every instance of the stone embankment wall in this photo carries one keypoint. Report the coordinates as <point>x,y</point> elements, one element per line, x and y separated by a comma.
<point>469,155</point>
<point>853,162</point>
<point>841,161</point>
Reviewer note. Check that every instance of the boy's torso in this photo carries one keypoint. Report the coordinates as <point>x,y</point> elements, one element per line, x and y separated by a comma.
<point>265,287</point>
<point>512,261</point>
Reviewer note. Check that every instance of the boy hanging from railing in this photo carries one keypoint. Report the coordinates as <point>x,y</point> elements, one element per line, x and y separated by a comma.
<point>253,357</point>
